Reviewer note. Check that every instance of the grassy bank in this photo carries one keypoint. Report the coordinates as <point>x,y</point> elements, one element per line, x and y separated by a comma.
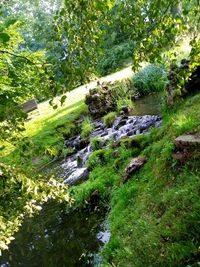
<point>154,217</point>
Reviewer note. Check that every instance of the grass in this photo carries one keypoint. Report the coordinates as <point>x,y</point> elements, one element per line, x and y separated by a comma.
<point>154,217</point>
<point>87,127</point>
<point>152,78</point>
<point>43,137</point>
<point>109,118</point>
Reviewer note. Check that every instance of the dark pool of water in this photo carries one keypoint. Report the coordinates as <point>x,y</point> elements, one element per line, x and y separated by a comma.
<point>148,105</point>
<point>56,239</point>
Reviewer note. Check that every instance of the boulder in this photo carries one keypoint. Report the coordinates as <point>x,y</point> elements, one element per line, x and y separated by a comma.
<point>191,86</point>
<point>187,140</point>
<point>125,110</point>
<point>101,100</point>
<point>182,157</point>
<point>133,167</point>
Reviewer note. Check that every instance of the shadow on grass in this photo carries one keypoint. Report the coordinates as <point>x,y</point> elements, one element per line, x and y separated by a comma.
<point>46,137</point>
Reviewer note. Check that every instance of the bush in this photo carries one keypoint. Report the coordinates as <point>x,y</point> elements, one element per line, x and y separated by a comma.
<point>87,127</point>
<point>109,118</point>
<point>152,78</point>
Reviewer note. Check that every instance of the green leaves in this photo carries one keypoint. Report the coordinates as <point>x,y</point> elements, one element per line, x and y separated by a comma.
<point>4,37</point>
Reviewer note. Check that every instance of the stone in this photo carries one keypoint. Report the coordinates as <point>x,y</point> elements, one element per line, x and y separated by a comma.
<point>101,100</point>
<point>187,140</point>
<point>94,199</point>
<point>191,86</point>
<point>181,156</point>
<point>126,109</point>
<point>133,167</point>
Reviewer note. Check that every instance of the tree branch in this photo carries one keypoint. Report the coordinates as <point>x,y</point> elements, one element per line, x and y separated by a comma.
<point>12,54</point>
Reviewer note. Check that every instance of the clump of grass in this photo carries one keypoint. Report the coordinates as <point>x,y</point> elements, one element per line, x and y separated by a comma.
<point>125,101</point>
<point>87,127</point>
<point>152,78</point>
<point>97,143</point>
<point>123,94</point>
<point>109,118</point>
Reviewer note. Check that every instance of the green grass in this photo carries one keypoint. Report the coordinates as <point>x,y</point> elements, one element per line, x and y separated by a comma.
<point>87,127</point>
<point>43,137</point>
<point>154,217</point>
<point>109,118</point>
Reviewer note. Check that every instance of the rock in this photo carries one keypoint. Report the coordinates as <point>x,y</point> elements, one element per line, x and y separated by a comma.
<point>133,166</point>
<point>101,100</point>
<point>191,86</point>
<point>94,199</point>
<point>126,109</point>
<point>181,156</point>
<point>187,140</point>
<point>77,176</point>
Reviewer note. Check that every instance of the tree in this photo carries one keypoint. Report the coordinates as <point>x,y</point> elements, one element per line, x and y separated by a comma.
<point>152,26</point>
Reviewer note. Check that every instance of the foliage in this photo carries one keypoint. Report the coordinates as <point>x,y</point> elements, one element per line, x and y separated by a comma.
<point>87,127</point>
<point>24,76</point>
<point>123,94</point>
<point>114,58</point>
<point>109,118</point>
<point>21,196</point>
<point>152,78</point>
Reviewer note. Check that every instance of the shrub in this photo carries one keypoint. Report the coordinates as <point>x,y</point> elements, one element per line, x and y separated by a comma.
<point>152,78</point>
<point>126,101</point>
<point>109,118</point>
<point>87,127</point>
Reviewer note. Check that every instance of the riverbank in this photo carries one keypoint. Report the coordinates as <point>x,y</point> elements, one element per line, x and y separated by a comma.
<point>154,217</point>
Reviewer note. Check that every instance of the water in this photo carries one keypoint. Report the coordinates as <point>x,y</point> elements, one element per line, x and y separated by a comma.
<point>56,239</point>
<point>148,105</point>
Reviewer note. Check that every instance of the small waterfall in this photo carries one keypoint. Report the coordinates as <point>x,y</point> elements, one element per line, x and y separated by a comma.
<point>124,126</point>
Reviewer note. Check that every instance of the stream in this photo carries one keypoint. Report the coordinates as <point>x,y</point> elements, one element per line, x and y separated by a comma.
<point>55,238</point>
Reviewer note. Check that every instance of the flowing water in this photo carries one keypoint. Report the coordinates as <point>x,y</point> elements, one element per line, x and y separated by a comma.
<point>55,238</point>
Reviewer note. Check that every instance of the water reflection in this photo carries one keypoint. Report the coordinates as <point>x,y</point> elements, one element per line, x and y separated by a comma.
<point>57,239</point>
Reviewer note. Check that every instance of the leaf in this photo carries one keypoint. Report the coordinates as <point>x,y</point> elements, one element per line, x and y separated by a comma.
<point>62,100</point>
<point>3,245</point>
<point>4,37</point>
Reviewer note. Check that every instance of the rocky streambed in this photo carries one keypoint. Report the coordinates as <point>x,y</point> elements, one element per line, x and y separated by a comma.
<point>73,169</point>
